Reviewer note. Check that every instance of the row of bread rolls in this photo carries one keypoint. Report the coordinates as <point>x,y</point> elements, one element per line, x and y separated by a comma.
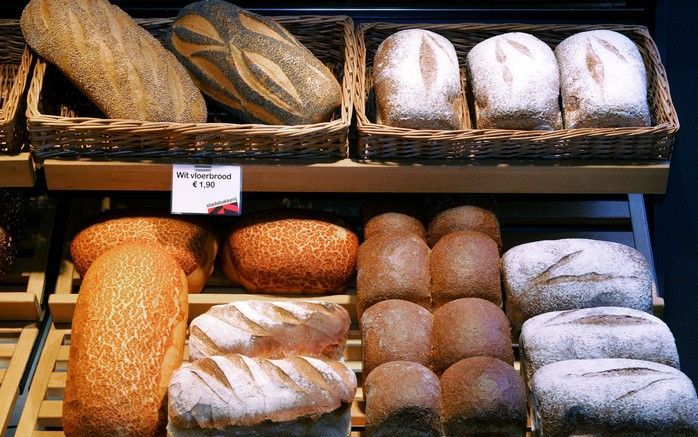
<point>247,63</point>
<point>516,82</point>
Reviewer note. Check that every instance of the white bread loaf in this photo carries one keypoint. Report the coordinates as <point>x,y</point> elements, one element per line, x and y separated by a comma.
<point>417,81</point>
<point>127,338</point>
<point>515,82</point>
<point>270,330</point>
<point>613,397</point>
<point>603,81</point>
<point>237,395</point>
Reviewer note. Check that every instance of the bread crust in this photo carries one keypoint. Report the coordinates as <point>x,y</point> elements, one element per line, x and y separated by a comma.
<point>464,218</point>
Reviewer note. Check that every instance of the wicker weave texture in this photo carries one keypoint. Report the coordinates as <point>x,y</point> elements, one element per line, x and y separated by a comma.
<point>381,142</point>
<point>15,63</point>
<point>62,122</point>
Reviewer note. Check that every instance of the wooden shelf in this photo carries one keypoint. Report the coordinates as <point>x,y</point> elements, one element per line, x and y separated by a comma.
<point>350,176</point>
<point>17,171</point>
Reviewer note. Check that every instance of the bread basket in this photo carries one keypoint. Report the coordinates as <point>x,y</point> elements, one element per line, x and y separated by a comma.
<point>15,63</point>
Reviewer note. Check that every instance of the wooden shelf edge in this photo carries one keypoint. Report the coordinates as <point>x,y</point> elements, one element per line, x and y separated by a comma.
<point>17,171</point>
<point>350,176</point>
<point>19,306</point>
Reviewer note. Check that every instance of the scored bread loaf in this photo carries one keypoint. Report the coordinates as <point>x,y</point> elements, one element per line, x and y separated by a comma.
<point>464,218</point>
<point>416,78</point>
<point>122,68</point>
<point>603,81</point>
<point>516,83</point>
<point>127,338</point>
<point>237,395</point>
<point>252,65</point>
<point>270,329</point>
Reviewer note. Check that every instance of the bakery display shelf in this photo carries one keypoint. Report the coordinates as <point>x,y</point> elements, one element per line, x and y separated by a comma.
<point>16,342</point>
<point>497,176</point>
<point>17,171</point>
<point>22,290</point>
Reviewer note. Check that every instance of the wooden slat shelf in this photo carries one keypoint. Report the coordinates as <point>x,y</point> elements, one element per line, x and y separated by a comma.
<point>17,171</point>
<point>16,342</point>
<point>349,176</point>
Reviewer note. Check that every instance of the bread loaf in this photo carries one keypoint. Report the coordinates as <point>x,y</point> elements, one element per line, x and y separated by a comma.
<point>392,267</point>
<point>416,79</point>
<point>395,330</point>
<point>122,68</point>
<point>191,244</point>
<point>402,399</point>
<point>467,328</point>
<point>465,264</point>
<point>394,223</point>
<point>557,275</point>
<point>604,332</point>
<point>464,218</point>
<point>291,251</point>
<point>252,65</point>
<point>483,396</point>
<point>603,81</point>
<point>127,338</point>
<point>270,329</point>
<point>614,397</point>
<point>240,396</point>
<point>8,252</point>
<point>516,83</point>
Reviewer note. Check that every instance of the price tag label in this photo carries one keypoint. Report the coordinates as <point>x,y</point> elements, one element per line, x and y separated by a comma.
<point>206,189</point>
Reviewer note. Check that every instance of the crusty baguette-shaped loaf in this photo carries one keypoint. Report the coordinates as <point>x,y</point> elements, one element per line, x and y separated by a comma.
<point>603,332</point>
<point>127,338</point>
<point>417,81</point>
<point>192,245</point>
<point>614,397</point>
<point>270,329</point>
<point>603,81</point>
<point>573,273</point>
<point>122,68</point>
<point>290,251</point>
<point>516,83</point>
<point>252,65</point>
<point>233,394</point>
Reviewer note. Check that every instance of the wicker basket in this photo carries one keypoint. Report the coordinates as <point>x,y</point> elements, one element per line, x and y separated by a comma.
<point>380,142</point>
<point>15,62</point>
<point>62,122</point>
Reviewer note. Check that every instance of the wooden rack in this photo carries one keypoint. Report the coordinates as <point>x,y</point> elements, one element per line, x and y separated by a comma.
<point>17,171</point>
<point>16,342</point>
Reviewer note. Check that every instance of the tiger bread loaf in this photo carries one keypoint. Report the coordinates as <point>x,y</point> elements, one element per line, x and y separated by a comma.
<point>417,83</point>
<point>270,329</point>
<point>573,273</point>
<point>127,338</point>
<point>603,332</point>
<point>613,397</point>
<point>252,65</point>
<point>291,251</point>
<point>603,81</point>
<point>464,218</point>
<point>194,246</point>
<point>236,395</point>
<point>515,82</point>
<point>121,67</point>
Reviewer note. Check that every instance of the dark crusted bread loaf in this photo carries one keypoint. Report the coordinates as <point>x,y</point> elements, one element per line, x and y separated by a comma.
<point>122,68</point>
<point>252,65</point>
<point>464,218</point>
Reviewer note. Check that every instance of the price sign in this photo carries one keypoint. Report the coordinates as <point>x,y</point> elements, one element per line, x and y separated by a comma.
<point>206,189</point>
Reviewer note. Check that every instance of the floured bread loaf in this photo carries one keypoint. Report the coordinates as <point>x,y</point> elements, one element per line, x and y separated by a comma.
<point>604,332</point>
<point>252,65</point>
<point>240,396</point>
<point>191,244</point>
<point>127,338</point>
<point>613,397</point>
<point>603,81</point>
<point>464,218</point>
<point>394,223</point>
<point>417,81</point>
<point>516,83</point>
<point>270,329</point>
<point>121,67</point>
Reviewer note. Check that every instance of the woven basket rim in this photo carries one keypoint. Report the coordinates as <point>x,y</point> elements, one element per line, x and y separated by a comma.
<point>12,129</point>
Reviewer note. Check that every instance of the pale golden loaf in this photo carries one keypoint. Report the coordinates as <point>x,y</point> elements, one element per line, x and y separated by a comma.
<point>191,244</point>
<point>121,67</point>
<point>127,338</point>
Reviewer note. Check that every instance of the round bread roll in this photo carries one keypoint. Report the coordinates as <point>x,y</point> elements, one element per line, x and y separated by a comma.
<point>465,264</point>
<point>392,267</point>
<point>464,218</point>
<point>394,223</point>
<point>127,338</point>
<point>466,328</point>
<point>291,251</point>
<point>192,245</point>
<point>395,330</point>
<point>402,399</point>
<point>483,396</point>
<point>8,252</point>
